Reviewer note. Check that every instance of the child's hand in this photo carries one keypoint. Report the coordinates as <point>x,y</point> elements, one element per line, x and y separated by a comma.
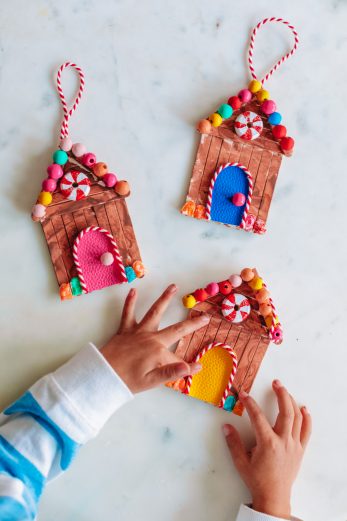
<point>271,467</point>
<point>138,352</point>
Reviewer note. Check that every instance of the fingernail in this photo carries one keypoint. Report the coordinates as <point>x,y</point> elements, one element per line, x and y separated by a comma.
<point>277,383</point>
<point>304,409</point>
<point>226,429</point>
<point>195,368</point>
<point>132,292</point>
<point>243,395</point>
<point>172,288</point>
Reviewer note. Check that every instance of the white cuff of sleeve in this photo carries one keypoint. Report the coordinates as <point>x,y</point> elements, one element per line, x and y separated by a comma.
<point>81,395</point>
<point>248,514</point>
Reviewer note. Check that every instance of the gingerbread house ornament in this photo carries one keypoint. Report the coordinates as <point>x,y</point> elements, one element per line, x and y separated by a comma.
<point>243,323</point>
<point>240,153</point>
<point>84,215</point>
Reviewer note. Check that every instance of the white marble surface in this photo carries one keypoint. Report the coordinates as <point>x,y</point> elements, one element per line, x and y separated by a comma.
<point>153,69</point>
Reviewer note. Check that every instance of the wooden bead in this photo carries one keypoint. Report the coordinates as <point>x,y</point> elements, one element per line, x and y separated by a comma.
<point>200,295</point>
<point>89,159</point>
<point>122,188</point>
<point>262,95</point>
<point>225,287</point>
<point>216,119</point>
<point>100,169</point>
<point>55,171</point>
<point>65,144</point>
<point>189,301</point>
<point>245,95</point>
<point>254,86</point>
<point>204,126</point>
<point>263,295</point>
<point>235,102</point>
<point>287,144</point>
<point>49,185</point>
<point>275,118</point>
<point>139,269</point>
<point>38,211</point>
<point>109,179</point>
<point>279,131</point>
<point>45,198</point>
<point>78,149</point>
<point>265,309</point>
<point>247,274</point>
<point>268,321</point>
<point>60,157</point>
<point>268,106</point>
<point>256,283</point>
<point>235,281</point>
<point>212,289</point>
<point>225,111</point>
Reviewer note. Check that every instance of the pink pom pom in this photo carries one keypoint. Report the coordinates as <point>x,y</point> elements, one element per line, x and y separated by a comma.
<point>238,199</point>
<point>212,288</point>
<point>245,95</point>
<point>107,258</point>
<point>55,171</point>
<point>78,150</point>
<point>268,107</point>
<point>89,159</point>
<point>38,211</point>
<point>235,280</point>
<point>277,335</point>
<point>65,144</point>
<point>109,179</point>
<point>49,185</point>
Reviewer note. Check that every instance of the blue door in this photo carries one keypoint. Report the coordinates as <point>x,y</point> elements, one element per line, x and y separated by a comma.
<point>231,185</point>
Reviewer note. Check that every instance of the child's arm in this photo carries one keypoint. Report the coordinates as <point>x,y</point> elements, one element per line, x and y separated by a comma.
<point>42,431</point>
<point>270,468</point>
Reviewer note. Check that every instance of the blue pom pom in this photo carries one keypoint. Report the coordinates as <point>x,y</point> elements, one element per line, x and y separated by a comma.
<point>130,273</point>
<point>275,118</point>
<point>229,403</point>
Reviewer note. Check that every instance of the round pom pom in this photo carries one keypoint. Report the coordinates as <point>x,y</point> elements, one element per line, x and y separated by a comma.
<point>275,118</point>
<point>130,273</point>
<point>65,144</point>
<point>265,309</point>
<point>89,159</point>
<point>238,199</point>
<point>109,180</point>
<point>45,198</point>
<point>216,119</point>
<point>139,269</point>
<point>287,144</point>
<point>256,283</point>
<point>107,258</point>
<point>204,126</point>
<point>49,185</point>
<point>254,86</point>
<point>235,102</point>
<point>100,169</point>
<point>65,291</point>
<point>55,171</point>
<point>78,149</point>
<point>212,289</point>
<point>189,301</point>
<point>38,211</point>
<point>268,106</point>
<point>225,287</point>
<point>247,274</point>
<point>122,188</point>
<point>245,95</point>
<point>235,281</point>
<point>262,95</point>
<point>200,295</point>
<point>262,296</point>
<point>279,131</point>
<point>60,157</point>
<point>225,111</point>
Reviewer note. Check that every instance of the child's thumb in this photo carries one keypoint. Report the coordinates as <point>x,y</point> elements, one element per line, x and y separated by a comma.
<point>170,372</point>
<point>236,447</point>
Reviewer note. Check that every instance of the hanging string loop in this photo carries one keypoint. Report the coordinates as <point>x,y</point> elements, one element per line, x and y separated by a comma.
<point>67,112</point>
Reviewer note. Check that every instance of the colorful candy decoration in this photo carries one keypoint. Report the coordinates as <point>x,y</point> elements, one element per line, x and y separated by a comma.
<point>236,308</point>
<point>248,125</point>
<point>74,185</point>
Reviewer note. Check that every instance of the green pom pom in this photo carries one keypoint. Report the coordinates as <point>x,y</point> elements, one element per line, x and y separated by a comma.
<point>130,273</point>
<point>229,403</point>
<point>60,157</point>
<point>225,111</point>
<point>75,286</point>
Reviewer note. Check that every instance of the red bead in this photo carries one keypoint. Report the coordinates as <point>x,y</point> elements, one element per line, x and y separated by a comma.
<point>49,185</point>
<point>200,295</point>
<point>89,159</point>
<point>235,102</point>
<point>287,144</point>
<point>238,199</point>
<point>109,180</point>
<point>279,131</point>
<point>225,287</point>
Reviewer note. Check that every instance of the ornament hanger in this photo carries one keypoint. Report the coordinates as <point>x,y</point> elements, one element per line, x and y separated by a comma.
<point>64,130</point>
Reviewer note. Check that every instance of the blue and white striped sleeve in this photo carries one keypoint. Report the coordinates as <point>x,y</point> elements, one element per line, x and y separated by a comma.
<point>43,430</point>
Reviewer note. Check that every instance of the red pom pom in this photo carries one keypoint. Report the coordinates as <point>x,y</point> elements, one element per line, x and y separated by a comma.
<point>234,102</point>
<point>279,131</point>
<point>287,144</point>
<point>225,287</point>
<point>200,295</point>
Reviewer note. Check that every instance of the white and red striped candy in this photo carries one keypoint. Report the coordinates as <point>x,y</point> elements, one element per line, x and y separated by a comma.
<point>248,125</point>
<point>74,185</point>
<point>236,308</point>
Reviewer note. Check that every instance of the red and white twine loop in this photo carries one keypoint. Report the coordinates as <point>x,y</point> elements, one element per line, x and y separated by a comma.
<point>64,130</point>
<point>281,60</point>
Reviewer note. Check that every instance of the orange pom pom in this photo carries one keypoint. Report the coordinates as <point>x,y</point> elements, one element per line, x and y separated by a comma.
<point>188,208</point>
<point>204,126</point>
<point>200,212</point>
<point>139,269</point>
<point>65,291</point>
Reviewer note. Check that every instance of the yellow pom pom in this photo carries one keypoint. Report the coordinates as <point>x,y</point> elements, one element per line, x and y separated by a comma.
<point>254,86</point>
<point>268,321</point>
<point>189,301</point>
<point>216,119</point>
<point>262,95</point>
<point>256,283</point>
<point>45,198</point>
